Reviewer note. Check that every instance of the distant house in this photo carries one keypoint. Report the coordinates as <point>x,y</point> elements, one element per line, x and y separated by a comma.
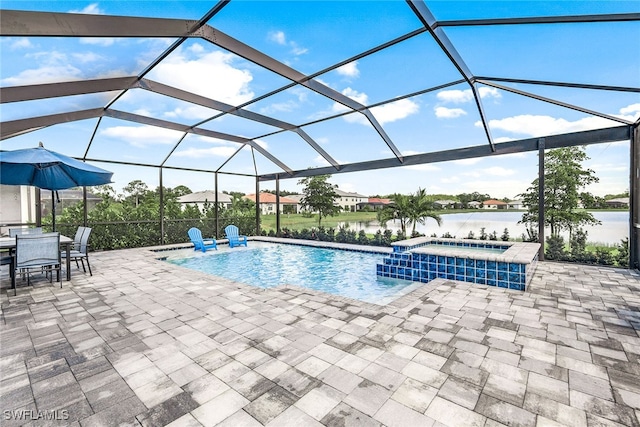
<point>474,204</point>
<point>622,202</point>
<point>349,201</point>
<point>200,198</point>
<point>494,204</point>
<point>445,204</point>
<point>268,203</point>
<point>67,199</point>
<point>374,203</point>
<point>515,204</point>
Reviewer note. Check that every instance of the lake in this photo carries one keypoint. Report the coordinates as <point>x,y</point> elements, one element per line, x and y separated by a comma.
<point>614,227</point>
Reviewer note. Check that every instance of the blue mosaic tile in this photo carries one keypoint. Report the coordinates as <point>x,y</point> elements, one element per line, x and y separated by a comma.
<point>491,282</point>
<point>492,265</point>
<point>460,261</point>
<point>433,258</point>
<point>432,266</point>
<point>503,266</point>
<point>514,277</point>
<point>491,274</point>
<point>502,284</point>
<point>451,269</point>
<point>514,268</point>
<point>481,264</point>
<point>442,267</point>
<point>516,287</point>
<point>480,273</point>
<point>441,259</point>
<point>460,271</point>
<point>470,272</point>
<point>503,275</point>
<point>450,260</point>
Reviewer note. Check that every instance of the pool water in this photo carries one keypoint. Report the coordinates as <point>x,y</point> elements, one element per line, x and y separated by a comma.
<point>340,272</point>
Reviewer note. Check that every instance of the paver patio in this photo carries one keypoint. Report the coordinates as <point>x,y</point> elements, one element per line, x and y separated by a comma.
<point>144,342</point>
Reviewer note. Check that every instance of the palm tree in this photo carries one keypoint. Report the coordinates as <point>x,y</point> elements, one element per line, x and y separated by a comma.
<point>399,209</point>
<point>421,209</point>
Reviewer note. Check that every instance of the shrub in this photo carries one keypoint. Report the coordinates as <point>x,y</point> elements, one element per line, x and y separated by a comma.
<point>362,238</point>
<point>555,248</point>
<point>578,246</point>
<point>621,256</point>
<point>386,237</point>
<point>505,235</point>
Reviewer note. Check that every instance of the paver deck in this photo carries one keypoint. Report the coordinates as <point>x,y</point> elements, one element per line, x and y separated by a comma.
<point>143,342</point>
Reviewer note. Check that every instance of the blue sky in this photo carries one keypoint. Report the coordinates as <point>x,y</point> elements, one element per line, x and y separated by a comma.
<point>310,36</point>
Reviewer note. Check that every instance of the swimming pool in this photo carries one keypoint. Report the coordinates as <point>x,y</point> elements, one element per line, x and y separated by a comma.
<point>341,272</point>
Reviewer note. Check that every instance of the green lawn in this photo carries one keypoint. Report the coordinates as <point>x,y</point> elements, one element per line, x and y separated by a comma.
<point>298,221</point>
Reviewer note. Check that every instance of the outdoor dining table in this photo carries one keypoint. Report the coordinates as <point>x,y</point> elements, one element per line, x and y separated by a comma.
<point>65,242</point>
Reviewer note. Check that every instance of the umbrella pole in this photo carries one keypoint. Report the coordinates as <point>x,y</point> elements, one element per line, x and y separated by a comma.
<point>53,211</point>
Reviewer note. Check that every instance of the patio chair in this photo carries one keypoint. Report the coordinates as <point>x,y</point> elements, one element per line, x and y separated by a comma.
<point>231,231</point>
<point>199,243</point>
<point>13,232</point>
<point>80,251</point>
<point>37,251</point>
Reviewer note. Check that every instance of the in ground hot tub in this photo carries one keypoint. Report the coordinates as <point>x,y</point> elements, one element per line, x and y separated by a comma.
<point>486,262</point>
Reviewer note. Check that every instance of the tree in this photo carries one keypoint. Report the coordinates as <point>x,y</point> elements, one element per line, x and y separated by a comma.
<point>421,209</point>
<point>564,177</point>
<point>399,209</point>
<point>136,191</point>
<point>319,196</point>
<point>414,209</point>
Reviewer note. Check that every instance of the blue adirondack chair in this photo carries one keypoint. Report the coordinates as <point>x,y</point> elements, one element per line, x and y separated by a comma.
<point>234,238</point>
<point>199,243</point>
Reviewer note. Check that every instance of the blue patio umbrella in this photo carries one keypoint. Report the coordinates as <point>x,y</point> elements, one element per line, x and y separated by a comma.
<point>48,170</point>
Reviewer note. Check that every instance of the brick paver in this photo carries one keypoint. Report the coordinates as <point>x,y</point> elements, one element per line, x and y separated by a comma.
<point>143,342</point>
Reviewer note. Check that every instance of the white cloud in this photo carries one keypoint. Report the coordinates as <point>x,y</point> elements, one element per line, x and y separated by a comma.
<point>280,38</point>
<point>143,136</point>
<point>44,74</point>
<point>98,41</point>
<point>285,107</point>
<point>349,70</point>
<point>395,111</point>
<point>196,48</point>
<point>212,75</point>
<point>91,9</point>
<point>277,37</point>
<point>86,57</point>
<point>197,153</point>
<point>457,96</point>
<point>22,43</point>
<point>532,126</point>
<point>632,110</point>
<point>386,113</point>
<point>449,113</point>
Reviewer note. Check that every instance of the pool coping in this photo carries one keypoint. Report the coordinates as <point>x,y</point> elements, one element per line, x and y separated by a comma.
<point>404,301</point>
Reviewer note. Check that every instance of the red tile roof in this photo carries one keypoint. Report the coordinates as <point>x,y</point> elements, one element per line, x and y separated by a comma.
<point>270,198</point>
<point>493,202</point>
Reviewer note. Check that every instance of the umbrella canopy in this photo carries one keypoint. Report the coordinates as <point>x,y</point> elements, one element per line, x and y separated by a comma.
<point>48,170</point>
